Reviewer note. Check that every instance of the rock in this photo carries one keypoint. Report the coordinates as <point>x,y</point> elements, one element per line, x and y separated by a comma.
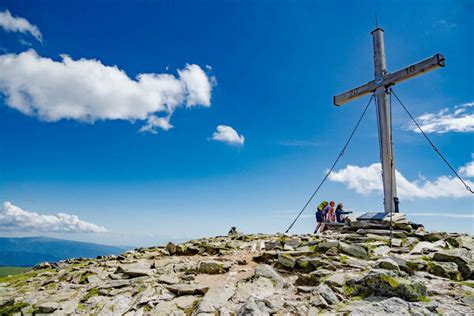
<point>328,294</point>
<point>384,285</point>
<point>185,302</point>
<point>404,265</point>
<point>133,273</point>
<point>382,251</point>
<point>353,250</point>
<point>424,245</point>
<point>272,245</point>
<point>266,257</point>
<point>286,261</point>
<point>455,255</point>
<point>187,289</point>
<point>390,306</point>
<point>387,264</point>
<point>309,264</point>
<point>164,308</point>
<point>168,279</point>
<point>171,247</point>
<point>293,243</point>
<point>48,307</point>
<point>259,288</point>
<point>213,267</point>
<point>328,244</point>
<point>318,301</point>
<point>396,242</point>
<point>337,279</point>
<point>215,298</point>
<point>466,242</point>
<point>433,236</point>
<point>462,257</point>
<point>267,271</point>
<point>311,279</point>
<point>254,307</point>
<point>445,269</point>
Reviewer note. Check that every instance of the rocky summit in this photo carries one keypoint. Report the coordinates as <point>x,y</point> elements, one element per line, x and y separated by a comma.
<point>347,270</point>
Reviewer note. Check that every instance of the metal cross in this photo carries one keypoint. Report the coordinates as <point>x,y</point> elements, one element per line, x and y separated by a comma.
<point>380,85</point>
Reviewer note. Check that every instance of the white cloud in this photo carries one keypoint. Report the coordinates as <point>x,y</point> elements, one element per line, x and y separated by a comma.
<point>16,24</point>
<point>228,135</point>
<point>460,119</point>
<point>87,90</point>
<point>153,122</point>
<point>366,180</point>
<point>468,169</point>
<point>13,218</point>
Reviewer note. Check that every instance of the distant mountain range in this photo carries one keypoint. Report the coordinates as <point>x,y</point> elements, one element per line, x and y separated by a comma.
<point>28,251</point>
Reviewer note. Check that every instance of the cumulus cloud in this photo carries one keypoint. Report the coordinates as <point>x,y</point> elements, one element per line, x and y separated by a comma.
<point>459,119</point>
<point>227,134</point>
<point>87,90</point>
<point>468,169</point>
<point>367,180</point>
<point>13,218</point>
<point>16,24</point>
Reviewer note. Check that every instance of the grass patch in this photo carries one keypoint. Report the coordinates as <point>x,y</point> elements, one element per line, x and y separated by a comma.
<point>11,308</point>
<point>426,258</point>
<point>18,278</point>
<point>393,283</point>
<point>92,292</point>
<point>6,271</point>
<point>424,299</point>
<point>467,283</point>
<point>343,259</point>
<point>83,278</point>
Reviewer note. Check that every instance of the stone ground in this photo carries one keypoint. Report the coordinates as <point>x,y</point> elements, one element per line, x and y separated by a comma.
<point>349,271</point>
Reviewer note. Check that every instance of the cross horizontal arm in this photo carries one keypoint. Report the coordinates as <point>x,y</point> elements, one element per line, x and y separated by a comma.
<point>419,68</point>
<point>355,93</point>
<point>414,70</point>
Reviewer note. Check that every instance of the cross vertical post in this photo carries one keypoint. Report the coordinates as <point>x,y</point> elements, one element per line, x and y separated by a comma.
<point>384,119</point>
<point>380,87</point>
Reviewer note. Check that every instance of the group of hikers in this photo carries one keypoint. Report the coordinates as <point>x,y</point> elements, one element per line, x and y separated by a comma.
<point>325,213</point>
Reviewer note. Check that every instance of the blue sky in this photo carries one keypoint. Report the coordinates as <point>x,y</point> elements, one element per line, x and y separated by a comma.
<point>266,69</point>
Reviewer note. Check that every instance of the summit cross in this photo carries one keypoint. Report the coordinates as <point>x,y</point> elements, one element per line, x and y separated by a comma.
<point>380,86</point>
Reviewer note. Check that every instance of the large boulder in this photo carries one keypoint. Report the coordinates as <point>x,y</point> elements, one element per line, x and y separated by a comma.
<point>327,293</point>
<point>382,284</point>
<point>387,264</point>
<point>353,250</point>
<point>445,269</point>
<point>259,288</point>
<point>213,267</point>
<point>187,289</point>
<point>286,261</point>
<point>215,298</point>
<point>267,271</point>
<point>462,257</point>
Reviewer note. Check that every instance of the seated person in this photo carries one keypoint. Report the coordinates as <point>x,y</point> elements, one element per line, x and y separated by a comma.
<point>340,212</point>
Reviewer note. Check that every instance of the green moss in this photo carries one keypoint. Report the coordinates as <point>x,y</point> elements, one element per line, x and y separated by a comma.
<point>189,311</point>
<point>11,308</point>
<point>92,292</point>
<point>18,279</point>
<point>393,283</point>
<point>467,283</point>
<point>348,290</point>
<point>357,298</point>
<point>426,258</point>
<point>343,259</point>
<point>412,265</point>
<point>424,299</point>
<point>83,278</point>
<point>80,307</point>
